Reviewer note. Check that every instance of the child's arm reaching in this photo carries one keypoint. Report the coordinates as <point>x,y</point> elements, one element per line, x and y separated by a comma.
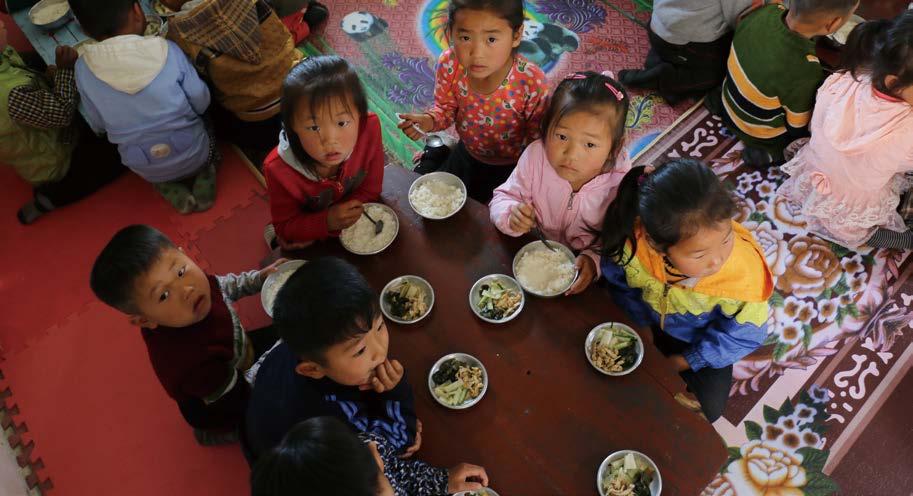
<point>34,106</point>
<point>511,209</point>
<point>726,341</point>
<point>442,114</point>
<point>421,479</point>
<point>237,286</point>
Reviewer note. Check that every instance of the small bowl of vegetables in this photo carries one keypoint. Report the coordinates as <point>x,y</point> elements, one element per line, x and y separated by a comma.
<point>496,298</point>
<point>407,299</point>
<point>628,472</point>
<point>458,381</point>
<point>481,492</point>
<point>614,348</point>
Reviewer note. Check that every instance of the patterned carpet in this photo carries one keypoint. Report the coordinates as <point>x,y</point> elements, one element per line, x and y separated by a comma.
<point>396,49</point>
<point>802,413</point>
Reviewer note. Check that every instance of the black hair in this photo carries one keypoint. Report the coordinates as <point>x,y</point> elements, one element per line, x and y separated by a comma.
<point>589,92</point>
<point>880,49</point>
<point>672,203</point>
<point>318,456</point>
<point>320,80</point>
<point>129,255</point>
<point>806,8</point>
<point>325,302</point>
<point>509,10</point>
<point>102,19</point>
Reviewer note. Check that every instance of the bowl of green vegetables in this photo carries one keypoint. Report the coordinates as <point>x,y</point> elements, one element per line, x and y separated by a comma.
<point>628,472</point>
<point>614,348</point>
<point>407,299</point>
<point>458,381</point>
<point>496,298</point>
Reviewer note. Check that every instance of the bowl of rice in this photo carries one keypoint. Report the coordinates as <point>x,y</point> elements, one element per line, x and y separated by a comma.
<point>274,283</point>
<point>544,272</point>
<point>50,14</point>
<point>437,195</point>
<point>360,238</point>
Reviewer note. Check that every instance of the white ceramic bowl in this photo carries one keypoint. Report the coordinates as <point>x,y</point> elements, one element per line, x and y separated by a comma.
<point>656,487</point>
<point>56,22</point>
<point>472,362</point>
<point>444,177</point>
<point>538,245</point>
<point>638,347</point>
<point>507,281</point>
<point>271,286</point>
<point>429,298</point>
<point>395,232</point>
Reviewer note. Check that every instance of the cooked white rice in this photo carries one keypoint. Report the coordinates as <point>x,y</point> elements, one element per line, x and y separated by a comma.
<point>50,13</point>
<point>435,198</point>
<point>273,289</point>
<point>544,271</point>
<point>360,237</point>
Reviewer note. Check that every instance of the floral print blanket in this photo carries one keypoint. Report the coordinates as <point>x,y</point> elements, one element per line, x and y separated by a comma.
<point>801,406</point>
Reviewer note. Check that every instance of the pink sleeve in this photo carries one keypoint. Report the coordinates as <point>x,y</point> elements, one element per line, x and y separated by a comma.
<point>444,110</point>
<point>516,190</point>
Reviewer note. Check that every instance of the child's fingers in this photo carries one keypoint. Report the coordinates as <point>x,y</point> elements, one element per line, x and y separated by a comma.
<point>396,367</point>
<point>467,486</point>
<point>382,375</point>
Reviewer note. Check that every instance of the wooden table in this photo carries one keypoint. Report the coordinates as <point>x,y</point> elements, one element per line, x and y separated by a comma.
<point>548,418</point>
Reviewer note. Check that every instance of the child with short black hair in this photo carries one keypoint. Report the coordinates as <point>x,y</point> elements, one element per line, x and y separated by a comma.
<point>773,75</point>
<point>144,93</point>
<point>564,182</point>
<point>493,96</point>
<point>676,261</point>
<point>330,158</point>
<point>332,361</point>
<point>193,335</point>
<point>325,456</point>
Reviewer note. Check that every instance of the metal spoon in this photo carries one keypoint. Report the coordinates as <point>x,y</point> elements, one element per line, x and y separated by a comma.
<point>538,233</point>
<point>378,224</point>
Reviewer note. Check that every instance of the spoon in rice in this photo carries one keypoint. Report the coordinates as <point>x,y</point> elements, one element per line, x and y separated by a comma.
<point>378,224</point>
<point>538,233</point>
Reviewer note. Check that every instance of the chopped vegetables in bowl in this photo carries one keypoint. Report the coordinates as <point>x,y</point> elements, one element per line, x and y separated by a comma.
<point>496,298</point>
<point>458,381</point>
<point>614,348</point>
<point>407,299</point>
<point>628,473</point>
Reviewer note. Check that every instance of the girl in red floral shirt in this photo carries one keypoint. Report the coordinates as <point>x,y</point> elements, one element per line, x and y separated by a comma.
<point>493,96</point>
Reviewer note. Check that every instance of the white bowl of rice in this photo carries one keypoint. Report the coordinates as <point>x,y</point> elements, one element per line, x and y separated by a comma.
<point>274,283</point>
<point>437,195</point>
<point>544,272</point>
<point>360,238</point>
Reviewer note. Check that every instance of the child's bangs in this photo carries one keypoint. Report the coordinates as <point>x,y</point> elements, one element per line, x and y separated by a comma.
<point>327,99</point>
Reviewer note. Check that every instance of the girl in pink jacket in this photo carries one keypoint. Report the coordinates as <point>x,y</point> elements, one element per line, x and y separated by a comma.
<point>848,179</point>
<point>564,182</point>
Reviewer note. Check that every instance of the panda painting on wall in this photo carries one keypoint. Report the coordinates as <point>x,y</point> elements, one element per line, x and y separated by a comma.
<point>362,26</point>
<point>544,43</point>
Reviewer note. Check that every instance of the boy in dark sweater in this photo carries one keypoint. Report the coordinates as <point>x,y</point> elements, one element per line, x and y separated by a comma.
<point>773,75</point>
<point>195,341</point>
<point>332,361</point>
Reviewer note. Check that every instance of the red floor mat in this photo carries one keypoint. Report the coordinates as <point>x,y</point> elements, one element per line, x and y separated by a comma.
<point>101,422</point>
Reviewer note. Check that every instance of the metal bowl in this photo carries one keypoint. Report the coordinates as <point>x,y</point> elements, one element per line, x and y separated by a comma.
<point>656,487</point>
<point>429,298</point>
<point>270,290</point>
<point>161,27</point>
<point>507,281</point>
<point>56,23</point>
<point>473,362</point>
<point>538,245</point>
<point>444,177</point>
<point>481,492</point>
<point>638,347</point>
<point>395,231</point>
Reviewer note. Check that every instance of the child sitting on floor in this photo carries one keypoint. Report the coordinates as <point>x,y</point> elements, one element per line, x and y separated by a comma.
<point>773,74</point>
<point>676,261</point>
<point>194,338</point>
<point>244,51</point>
<point>689,43</point>
<point>143,92</point>
<point>848,179</point>
<point>43,138</point>
<point>564,182</point>
<point>494,96</point>
<point>323,455</point>
<point>330,158</point>
<point>332,360</point>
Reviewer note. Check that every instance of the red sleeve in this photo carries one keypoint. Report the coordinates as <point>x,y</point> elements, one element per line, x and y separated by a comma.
<point>372,150</point>
<point>444,110</point>
<point>537,103</point>
<point>291,223</point>
<point>297,27</point>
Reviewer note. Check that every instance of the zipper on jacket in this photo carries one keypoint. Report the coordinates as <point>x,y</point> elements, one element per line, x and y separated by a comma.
<point>662,309</point>
<point>570,201</point>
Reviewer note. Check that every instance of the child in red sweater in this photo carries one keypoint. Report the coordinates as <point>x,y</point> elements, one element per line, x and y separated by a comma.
<point>330,158</point>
